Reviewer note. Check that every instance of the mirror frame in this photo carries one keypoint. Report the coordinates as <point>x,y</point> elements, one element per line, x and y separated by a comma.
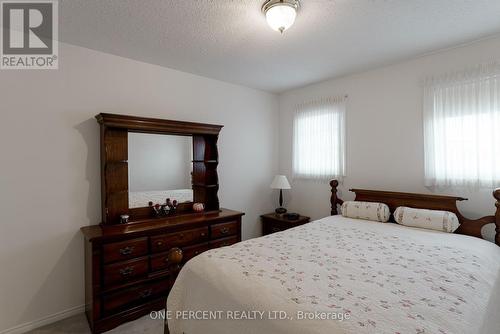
<point>114,131</point>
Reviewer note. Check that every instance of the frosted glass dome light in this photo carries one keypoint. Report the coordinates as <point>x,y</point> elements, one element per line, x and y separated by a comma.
<point>280,14</point>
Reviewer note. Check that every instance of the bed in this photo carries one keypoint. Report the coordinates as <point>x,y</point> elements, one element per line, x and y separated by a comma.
<point>342,275</point>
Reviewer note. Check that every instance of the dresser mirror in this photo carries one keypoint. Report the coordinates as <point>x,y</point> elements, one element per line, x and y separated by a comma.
<point>159,167</point>
<point>149,160</point>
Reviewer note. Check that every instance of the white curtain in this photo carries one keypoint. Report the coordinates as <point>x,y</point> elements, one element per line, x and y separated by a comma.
<point>462,128</point>
<point>319,139</point>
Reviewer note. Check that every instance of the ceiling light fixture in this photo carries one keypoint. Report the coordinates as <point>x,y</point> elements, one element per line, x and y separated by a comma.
<point>280,14</point>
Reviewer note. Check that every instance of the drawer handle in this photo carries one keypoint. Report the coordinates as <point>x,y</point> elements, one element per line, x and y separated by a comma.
<point>202,234</point>
<point>224,230</point>
<point>127,250</point>
<point>146,293</point>
<point>181,236</point>
<point>127,271</point>
<point>175,255</point>
<point>159,243</point>
<point>196,252</point>
<point>165,259</point>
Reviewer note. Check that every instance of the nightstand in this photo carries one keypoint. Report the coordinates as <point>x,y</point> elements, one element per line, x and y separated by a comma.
<point>273,222</point>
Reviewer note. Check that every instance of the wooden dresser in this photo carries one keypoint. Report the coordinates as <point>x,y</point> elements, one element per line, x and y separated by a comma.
<point>127,269</point>
<point>133,257</point>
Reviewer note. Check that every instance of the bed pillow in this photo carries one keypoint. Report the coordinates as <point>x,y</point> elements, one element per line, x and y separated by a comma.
<point>366,210</point>
<point>430,219</point>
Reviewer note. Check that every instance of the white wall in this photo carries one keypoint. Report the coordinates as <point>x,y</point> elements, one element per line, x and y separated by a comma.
<point>49,146</point>
<point>384,130</point>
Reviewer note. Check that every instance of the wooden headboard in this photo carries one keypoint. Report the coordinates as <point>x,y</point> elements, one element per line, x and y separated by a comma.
<point>393,199</point>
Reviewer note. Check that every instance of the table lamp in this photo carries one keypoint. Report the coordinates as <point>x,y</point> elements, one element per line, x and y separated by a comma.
<point>280,182</point>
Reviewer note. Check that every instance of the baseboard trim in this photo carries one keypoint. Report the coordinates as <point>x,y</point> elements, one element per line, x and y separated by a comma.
<point>28,326</point>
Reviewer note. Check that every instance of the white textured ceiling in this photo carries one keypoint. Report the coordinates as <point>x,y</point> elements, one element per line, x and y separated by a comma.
<point>230,40</point>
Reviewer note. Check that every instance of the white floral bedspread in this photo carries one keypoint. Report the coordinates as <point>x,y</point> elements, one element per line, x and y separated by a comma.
<point>388,279</point>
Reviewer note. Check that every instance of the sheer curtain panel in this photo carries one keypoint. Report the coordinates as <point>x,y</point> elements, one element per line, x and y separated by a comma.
<point>462,128</point>
<point>319,139</point>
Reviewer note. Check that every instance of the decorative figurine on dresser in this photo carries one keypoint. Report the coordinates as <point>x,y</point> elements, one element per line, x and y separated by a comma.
<point>160,208</point>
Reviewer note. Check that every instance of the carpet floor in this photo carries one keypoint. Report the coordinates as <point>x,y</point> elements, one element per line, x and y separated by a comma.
<point>78,325</point>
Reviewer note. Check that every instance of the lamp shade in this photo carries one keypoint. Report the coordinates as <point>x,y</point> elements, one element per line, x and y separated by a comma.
<point>280,182</point>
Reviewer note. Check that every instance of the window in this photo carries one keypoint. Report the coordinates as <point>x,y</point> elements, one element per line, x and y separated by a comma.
<point>462,129</point>
<point>319,139</point>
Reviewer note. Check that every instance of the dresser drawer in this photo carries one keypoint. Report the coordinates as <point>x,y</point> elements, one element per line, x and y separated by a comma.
<point>224,229</point>
<point>166,241</point>
<point>124,250</point>
<point>122,272</point>
<point>159,261</point>
<point>114,302</point>
<point>189,252</point>
<point>224,242</point>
